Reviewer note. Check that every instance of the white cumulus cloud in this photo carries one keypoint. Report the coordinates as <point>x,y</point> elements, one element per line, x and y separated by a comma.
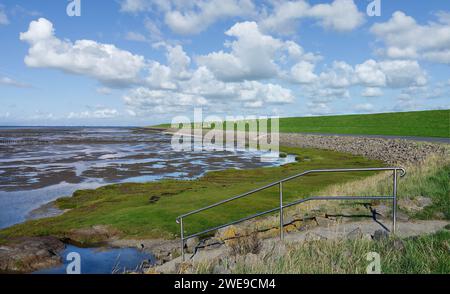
<point>204,13</point>
<point>251,56</point>
<point>104,62</point>
<point>405,38</point>
<point>191,17</point>
<point>303,72</point>
<point>340,15</point>
<point>144,101</point>
<point>255,56</point>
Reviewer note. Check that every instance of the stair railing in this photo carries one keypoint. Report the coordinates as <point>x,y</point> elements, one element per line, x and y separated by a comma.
<point>282,206</point>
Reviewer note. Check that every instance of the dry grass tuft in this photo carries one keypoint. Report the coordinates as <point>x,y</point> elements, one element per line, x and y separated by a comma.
<point>247,242</point>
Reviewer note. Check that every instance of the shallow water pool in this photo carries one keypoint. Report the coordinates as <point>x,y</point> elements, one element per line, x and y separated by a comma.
<point>102,260</point>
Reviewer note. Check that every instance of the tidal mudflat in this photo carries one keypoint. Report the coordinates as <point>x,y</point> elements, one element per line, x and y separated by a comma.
<point>39,165</point>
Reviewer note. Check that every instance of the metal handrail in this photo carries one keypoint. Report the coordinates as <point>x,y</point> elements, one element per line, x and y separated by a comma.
<point>179,219</point>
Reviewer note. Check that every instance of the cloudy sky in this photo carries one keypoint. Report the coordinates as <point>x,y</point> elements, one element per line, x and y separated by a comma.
<point>140,62</point>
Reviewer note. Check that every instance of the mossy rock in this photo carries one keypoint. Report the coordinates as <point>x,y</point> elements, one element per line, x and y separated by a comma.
<point>290,228</point>
<point>228,235</point>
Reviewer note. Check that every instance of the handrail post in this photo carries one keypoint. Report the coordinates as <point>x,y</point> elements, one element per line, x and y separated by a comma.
<point>394,203</point>
<point>182,238</point>
<point>281,212</point>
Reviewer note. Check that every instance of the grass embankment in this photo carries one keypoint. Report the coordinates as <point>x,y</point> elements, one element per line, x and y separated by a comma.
<point>417,255</point>
<point>434,123</point>
<point>127,207</point>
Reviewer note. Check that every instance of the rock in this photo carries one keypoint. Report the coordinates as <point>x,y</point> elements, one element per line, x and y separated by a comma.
<point>423,201</point>
<point>290,228</point>
<point>310,236</point>
<point>212,243</point>
<point>162,254</point>
<point>291,219</point>
<point>226,233</point>
<point>391,151</point>
<point>298,224</point>
<point>92,235</point>
<point>272,233</point>
<point>380,235</point>
<point>408,205</point>
<point>324,222</point>
<point>414,205</point>
<point>385,212</point>
<point>439,215</point>
<point>192,243</point>
<point>355,234</point>
<point>382,211</point>
<point>26,255</point>
<point>337,218</point>
<point>170,267</point>
<point>402,216</point>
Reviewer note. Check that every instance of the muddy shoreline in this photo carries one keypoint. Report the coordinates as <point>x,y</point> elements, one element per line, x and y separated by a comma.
<point>65,160</point>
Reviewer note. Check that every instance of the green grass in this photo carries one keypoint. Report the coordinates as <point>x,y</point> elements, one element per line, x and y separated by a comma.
<point>416,255</point>
<point>430,178</point>
<point>434,123</point>
<point>126,207</point>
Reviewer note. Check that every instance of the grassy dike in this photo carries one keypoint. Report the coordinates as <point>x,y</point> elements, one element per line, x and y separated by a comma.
<point>149,210</point>
<point>431,123</point>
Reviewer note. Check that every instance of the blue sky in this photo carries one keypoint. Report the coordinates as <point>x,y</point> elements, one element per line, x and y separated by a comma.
<point>140,62</point>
